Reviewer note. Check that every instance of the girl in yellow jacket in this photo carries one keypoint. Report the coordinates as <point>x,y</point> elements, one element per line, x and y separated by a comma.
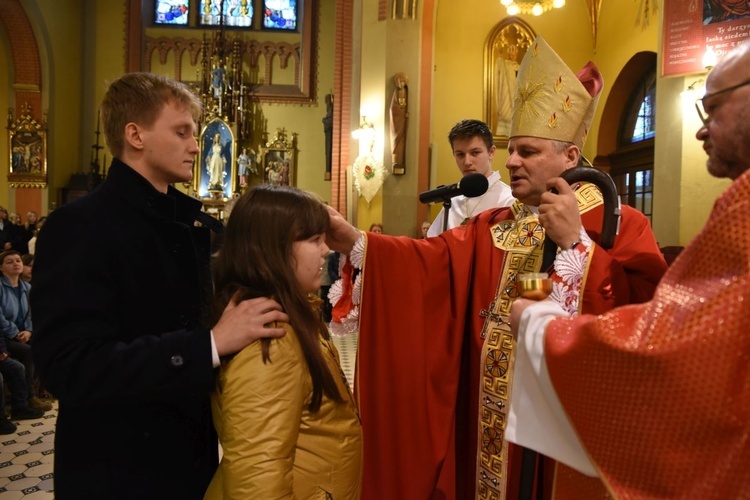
<point>286,419</point>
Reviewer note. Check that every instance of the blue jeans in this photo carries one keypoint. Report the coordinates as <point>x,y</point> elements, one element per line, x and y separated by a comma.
<point>15,374</point>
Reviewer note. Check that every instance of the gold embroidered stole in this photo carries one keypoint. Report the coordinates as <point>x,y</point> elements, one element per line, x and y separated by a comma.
<point>521,240</point>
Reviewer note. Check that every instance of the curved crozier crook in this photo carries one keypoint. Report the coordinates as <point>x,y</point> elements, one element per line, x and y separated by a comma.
<point>611,221</point>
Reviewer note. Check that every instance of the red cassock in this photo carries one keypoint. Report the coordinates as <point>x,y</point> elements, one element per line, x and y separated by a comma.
<point>665,410</point>
<point>426,381</point>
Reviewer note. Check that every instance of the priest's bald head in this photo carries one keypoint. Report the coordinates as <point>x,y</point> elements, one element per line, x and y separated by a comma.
<point>552,113</point>
<point>725,112</point>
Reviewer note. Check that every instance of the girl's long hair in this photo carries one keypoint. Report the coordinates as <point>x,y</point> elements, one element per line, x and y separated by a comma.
<point>256,261</point>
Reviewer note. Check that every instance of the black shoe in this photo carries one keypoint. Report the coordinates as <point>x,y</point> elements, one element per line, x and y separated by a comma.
<point>6,426</point>
<point>25,414</point>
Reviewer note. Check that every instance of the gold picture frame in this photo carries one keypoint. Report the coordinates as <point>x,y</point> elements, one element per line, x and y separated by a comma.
<point>506,45</point>
<point>27,150</point>
<point>279,160</point>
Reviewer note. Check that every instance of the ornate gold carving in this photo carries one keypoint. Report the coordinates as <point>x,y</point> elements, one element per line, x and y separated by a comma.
<point>27,151</point>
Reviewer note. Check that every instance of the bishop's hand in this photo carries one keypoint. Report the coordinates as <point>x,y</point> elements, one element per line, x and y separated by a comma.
<point>341,236</point>
<point>559,215</point>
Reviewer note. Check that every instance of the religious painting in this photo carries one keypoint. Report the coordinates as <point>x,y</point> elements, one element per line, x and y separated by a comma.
<point>216,170</point>
<point>27,159</point>
<point>279,167</point>
<point>506,45</point>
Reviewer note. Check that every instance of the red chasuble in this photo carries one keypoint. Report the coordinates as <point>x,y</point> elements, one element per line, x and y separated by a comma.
<point>425,375</point>
<point>665,410</point>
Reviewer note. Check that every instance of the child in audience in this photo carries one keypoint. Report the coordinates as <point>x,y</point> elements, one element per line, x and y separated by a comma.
<point>286,419</point>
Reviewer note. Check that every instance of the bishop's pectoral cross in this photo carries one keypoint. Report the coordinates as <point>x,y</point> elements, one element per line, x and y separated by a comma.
<point>488,313</point>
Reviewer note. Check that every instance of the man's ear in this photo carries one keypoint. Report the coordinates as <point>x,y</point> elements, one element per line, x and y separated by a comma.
<point>572,156</point>
<point>133,136</point>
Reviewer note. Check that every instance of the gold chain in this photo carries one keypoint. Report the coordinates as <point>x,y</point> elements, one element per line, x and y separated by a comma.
<point>471,212</point>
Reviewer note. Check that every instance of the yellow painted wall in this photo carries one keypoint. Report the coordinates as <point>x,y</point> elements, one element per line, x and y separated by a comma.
<point>389,47</point>
<point>372,103</point>
<point>62,24</point>
<point>5,91</point>
<point>109,50</point>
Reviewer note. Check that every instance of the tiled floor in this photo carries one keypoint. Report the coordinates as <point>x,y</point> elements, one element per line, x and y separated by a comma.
<point>26,456</point>
<point>26,459</point>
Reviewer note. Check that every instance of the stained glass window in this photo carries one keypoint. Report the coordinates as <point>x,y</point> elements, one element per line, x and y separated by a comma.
<point>234,12</point>
<point>644,123</point>
<point>642,111</point>
<point>632,164</point>
<point>172,11</point>
<point>280,14</point>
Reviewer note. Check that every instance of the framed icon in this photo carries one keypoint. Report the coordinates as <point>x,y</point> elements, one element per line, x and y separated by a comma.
<point>216,167</point>
<point>27,152</point>
<point>278,160</point>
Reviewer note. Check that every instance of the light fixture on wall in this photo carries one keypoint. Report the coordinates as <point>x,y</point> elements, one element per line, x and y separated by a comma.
<point>535,7</point>
<point>693,91</point>
<point>365,132</point>
<point>709,59</point>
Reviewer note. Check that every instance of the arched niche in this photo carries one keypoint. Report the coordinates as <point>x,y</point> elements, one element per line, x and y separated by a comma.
<point>504,49</point>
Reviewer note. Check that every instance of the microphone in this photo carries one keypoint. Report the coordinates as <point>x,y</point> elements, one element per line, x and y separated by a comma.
<point>470,186</point>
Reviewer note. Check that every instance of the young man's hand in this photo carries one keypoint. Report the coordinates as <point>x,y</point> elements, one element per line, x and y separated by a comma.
<point>244,322</point>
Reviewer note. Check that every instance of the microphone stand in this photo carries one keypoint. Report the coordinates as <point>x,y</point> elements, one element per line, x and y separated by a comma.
<point>446,209</point>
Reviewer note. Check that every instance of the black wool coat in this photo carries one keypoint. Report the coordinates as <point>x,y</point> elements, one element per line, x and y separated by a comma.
<point>120,283</point>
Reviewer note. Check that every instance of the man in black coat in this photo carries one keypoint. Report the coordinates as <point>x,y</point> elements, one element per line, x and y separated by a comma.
<point>120,284</point>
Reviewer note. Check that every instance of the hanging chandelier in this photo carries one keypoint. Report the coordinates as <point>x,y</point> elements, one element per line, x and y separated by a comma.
<point>535,7</point>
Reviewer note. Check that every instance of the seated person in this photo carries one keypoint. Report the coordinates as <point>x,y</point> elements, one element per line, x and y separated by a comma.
<point>28,265</point>
<point>15,374</point>
<point>6,426</point>
<point>15,320</point>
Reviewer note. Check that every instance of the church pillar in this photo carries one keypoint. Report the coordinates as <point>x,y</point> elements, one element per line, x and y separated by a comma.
<point>393,41</point>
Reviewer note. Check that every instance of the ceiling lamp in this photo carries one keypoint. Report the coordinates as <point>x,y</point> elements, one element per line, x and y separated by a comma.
<point>535,7</point>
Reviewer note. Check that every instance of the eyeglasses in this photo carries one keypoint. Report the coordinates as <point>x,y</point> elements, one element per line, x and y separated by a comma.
<point>700,102</point>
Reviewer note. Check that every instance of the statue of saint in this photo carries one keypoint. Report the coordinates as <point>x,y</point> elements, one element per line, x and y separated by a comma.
<point>243,164</point>
<point>506,68</point>
<point>328,131</point>
<point>246,165</point>
<point>215,165</point>
<point>399,122</point>
<point>218,80</point>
